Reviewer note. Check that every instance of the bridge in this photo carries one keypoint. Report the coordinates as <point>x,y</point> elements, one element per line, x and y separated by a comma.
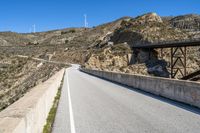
<point>178,53</point>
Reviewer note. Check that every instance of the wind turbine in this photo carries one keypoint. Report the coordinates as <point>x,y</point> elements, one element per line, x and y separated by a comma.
<point>30,30</point>
<point>86,22</point>
<point>34,28</point>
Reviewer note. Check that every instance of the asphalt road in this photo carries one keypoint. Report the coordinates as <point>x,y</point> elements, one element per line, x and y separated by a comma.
<point>92,105</point>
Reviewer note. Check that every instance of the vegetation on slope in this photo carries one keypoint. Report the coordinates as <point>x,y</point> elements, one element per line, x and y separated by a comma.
<point>18,75</point>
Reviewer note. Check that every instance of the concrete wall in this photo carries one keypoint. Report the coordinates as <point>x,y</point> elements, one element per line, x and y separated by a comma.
<point>28,114</point>
<point>183,91</point>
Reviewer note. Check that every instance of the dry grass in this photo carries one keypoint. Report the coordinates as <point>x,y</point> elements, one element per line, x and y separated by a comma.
<point>52,114</point>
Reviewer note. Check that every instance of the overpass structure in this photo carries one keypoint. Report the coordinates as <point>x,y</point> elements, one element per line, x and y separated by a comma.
<point>178,53</point>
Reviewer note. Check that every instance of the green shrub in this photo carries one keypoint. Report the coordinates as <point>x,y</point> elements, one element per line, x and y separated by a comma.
<point>72,31</point>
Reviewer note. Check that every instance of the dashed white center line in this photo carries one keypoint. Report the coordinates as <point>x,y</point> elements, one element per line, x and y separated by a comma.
<point>72,125</point>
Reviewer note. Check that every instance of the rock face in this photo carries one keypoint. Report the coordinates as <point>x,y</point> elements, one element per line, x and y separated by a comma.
<point>148,18</point>
<point>3,42</point>
<point>120,58</point>
<point>189,22</point>
<point>144,30</point>
<point>110,58</point>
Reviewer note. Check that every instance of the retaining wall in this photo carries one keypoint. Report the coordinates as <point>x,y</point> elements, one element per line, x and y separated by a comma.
<point>28,114</point>
<point>183,91</point>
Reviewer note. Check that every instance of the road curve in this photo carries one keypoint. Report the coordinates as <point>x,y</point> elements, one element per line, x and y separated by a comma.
<point>99,106</point>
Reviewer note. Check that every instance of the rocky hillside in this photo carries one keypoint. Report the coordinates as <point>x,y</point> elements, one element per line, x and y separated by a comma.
<point>143,29</point>
<point>146,29</point>
<point>101,47</point>
<point>189,22</point>
<point>18,75</point>
<point>71,42</point>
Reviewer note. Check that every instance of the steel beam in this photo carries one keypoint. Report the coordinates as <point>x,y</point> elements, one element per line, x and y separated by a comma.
<point>178,54</point>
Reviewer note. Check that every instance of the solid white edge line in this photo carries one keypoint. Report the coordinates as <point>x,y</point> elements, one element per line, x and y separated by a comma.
<point>72,125</point>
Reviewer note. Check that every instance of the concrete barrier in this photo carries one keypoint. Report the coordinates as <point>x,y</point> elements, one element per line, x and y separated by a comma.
<point>28,114</point>
<point>179,90</point>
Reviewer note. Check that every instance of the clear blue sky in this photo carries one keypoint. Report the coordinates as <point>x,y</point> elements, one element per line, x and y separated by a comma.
<point>20,15</point>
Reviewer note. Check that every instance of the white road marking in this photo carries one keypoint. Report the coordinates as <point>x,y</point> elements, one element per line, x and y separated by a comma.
<point>72,125</point>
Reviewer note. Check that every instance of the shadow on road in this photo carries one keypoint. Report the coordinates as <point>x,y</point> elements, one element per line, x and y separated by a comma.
<point>166,100</point>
